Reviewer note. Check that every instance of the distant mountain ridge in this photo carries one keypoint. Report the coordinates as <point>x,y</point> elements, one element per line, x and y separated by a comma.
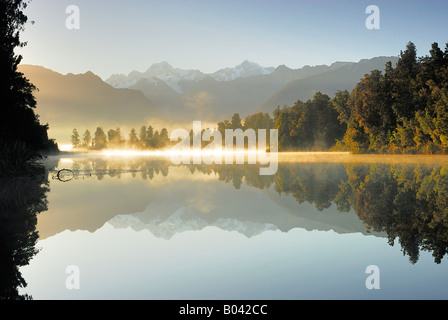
<point>341,76</point>
<point>245,89</point>
<point>244,70</point>
<point>173,95</point>
<point>177,79</point>
<point>182,80</point>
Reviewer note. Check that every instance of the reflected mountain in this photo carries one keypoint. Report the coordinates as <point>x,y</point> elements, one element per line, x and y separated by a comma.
<point>147,193</point>
<point>406,203</point>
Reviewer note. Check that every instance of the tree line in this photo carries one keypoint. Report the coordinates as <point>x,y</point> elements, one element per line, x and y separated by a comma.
<point>145,138</point>
<point>148,138</point>
<point>403,110</point>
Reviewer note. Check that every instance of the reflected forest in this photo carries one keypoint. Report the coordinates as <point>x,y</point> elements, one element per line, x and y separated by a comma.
<point>21,200</point>
<point>408,202</point>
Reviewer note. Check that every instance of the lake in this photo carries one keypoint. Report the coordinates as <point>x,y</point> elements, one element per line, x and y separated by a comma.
<point>324,226</point>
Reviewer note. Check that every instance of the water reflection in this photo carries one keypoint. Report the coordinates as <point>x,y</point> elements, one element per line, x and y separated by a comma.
<point>407,202</point>
<point>21,199</point>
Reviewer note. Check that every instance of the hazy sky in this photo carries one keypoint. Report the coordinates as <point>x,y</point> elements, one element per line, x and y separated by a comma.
<point>118,36</point>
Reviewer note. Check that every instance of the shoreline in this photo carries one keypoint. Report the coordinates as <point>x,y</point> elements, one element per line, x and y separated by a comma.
<point>288,157</point>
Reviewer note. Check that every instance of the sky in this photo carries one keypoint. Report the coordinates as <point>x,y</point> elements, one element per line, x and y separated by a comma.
<point>118,36</point>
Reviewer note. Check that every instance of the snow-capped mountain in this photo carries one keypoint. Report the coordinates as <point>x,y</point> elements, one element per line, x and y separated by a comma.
<point>243,70</point>
<point>181,80</point>
<point>177,79</point>
<point>181,220</point>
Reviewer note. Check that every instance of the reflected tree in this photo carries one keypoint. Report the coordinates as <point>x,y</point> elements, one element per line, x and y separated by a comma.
<point>407,202</point>
<point>317,184</point>
<point>21,199</point>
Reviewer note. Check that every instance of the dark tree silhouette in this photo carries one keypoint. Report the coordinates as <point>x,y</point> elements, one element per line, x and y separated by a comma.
<point>21,199</point>
<point>19,125</point>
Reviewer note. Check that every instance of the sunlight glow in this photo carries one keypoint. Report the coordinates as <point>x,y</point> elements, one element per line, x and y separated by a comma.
<point>65,147</point>
<point>183,152</point>
<point>129,152</point>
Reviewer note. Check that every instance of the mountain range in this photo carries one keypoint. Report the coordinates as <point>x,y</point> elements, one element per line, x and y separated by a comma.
<point>164,94</point>
<point>245,89</point>
<point>181,80</point>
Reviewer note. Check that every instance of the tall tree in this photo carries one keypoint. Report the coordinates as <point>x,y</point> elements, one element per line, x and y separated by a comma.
<point>236,121</point>
<point>99,139</point>
<point>143,136</point>
<point>405,74</point>
<point>18,121</point>
<point>75,139</point>
<point>150,132</point>
<point>341,105</point>
<point>285,125</point>
<point>372,101</point>
<point>86,139</point>
<point>164,137</point>
<point>133,139</point>
<point>115,138</point>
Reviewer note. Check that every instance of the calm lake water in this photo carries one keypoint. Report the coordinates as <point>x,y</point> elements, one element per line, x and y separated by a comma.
<point>143,228</point>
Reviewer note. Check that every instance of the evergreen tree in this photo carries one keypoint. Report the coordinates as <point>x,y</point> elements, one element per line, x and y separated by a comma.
<point>115,139</point>
<point>75,139</point>
<point>341,105</point>
<point>155,140</point>
<point>86,139</point>
<point>285,125</point>
<point>236,122</point>
<point>164,138</point>
<point>143,136</point>
<point>99,139</point>
<point>18,122</point>
<point>150,132</point>
<point>405,74</point>
<point>133,139</point>
<point>258,121</point>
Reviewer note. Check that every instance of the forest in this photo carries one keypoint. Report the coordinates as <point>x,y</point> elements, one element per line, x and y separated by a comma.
<point>403,110</point>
